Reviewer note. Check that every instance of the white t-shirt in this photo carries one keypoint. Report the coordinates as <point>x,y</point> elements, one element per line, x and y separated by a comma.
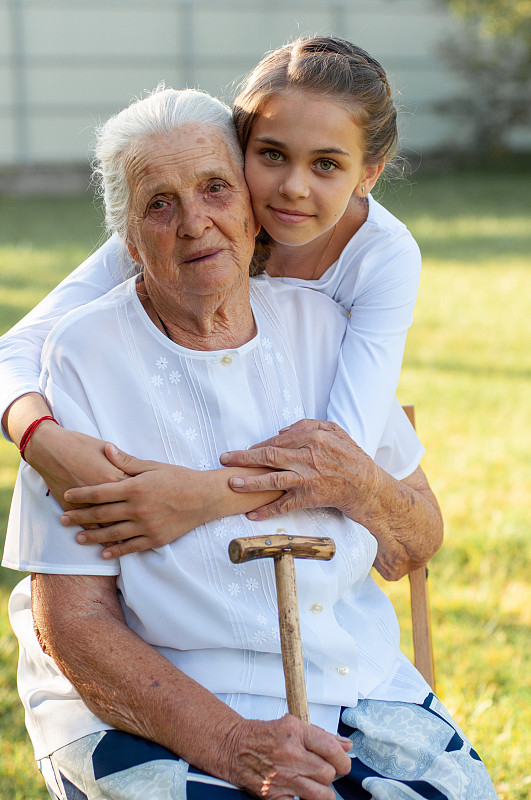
<point>375,279</point>
<point>214,620</point>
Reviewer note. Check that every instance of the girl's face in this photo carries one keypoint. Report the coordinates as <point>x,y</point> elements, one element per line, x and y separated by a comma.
<point>303,163</point>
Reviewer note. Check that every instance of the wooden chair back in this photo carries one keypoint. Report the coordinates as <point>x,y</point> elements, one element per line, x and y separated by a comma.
<point>420,609</point>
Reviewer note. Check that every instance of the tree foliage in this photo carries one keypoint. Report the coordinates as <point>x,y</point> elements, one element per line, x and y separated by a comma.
<point>492,56</point>
<point>496,17</point>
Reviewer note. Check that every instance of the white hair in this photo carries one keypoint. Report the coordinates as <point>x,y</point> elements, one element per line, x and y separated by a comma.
<point>161,112</point>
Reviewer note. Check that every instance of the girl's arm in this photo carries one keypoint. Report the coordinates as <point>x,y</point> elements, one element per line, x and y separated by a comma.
<point>20,348</point>
<point>373,347</point>
<point>63,458</point>
<point>151,503</point>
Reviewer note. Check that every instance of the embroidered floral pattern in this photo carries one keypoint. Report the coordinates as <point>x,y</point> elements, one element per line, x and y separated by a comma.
<point>274,633</point>
<point>259,638</point>
<point>220,530</point>
<point>161,379</point>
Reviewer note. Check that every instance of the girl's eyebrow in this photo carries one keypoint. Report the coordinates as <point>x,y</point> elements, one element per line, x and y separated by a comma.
<point>321,151</point>
<point>272,142</point>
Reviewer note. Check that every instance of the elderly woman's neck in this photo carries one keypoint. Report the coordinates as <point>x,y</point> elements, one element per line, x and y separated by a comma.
<point>213,322</point>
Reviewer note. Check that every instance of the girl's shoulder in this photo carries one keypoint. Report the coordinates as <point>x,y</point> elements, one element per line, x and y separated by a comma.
<point>382,239</point>
<point>380,217</point>
<point>380,228</point>
<point>381,254</point>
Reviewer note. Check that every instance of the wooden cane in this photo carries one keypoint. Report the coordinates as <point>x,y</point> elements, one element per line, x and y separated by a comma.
<point>283,549</point>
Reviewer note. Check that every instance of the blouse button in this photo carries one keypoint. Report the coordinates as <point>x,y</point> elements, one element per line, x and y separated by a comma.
<point>343,670</point>
<point>316,608</point>
<point>226,361</point>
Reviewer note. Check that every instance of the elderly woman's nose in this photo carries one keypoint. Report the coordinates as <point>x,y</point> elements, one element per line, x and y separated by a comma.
<point>294,184</point>
<point>193,220</point>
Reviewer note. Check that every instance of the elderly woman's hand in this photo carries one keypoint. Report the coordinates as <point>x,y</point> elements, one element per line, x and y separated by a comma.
<point>316,464</point>
<point>284,758</point>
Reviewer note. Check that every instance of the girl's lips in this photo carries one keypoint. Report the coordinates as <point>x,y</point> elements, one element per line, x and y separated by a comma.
<point>292,217</point>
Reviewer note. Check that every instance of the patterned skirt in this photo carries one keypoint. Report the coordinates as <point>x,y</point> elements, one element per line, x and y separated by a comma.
<point>401,751</point>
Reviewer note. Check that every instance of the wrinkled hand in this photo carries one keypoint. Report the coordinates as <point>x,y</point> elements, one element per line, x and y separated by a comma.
<point>153,505</point>
<point>285,758</point>
<point>316,464</point>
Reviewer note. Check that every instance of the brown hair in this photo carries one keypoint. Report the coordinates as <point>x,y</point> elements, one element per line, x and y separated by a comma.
<point>332,67</point>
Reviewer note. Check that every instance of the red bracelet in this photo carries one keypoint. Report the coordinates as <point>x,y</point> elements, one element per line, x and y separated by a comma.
<point>30,430</point>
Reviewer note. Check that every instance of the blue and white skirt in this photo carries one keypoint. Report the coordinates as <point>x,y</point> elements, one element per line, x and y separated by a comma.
<point>400,751</point>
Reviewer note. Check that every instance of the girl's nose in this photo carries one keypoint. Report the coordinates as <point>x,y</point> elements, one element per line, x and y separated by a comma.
<point>294,184</point>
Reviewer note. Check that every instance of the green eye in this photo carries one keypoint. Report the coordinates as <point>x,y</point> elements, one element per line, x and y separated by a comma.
<point>157,205</point>
<point>326,165</point>
<point>273,155</point>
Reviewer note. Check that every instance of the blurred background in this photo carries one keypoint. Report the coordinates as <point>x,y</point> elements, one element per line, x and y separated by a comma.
<point>460,68</point>
<point>461,73</point>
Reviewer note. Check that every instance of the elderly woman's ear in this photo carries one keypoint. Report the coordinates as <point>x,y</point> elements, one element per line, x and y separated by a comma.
<point>133,251</point>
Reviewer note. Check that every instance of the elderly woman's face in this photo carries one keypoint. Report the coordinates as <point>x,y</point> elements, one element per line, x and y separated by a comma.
<point>190,221</point>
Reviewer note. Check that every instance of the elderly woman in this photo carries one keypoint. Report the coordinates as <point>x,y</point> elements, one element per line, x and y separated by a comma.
<point>141,666</point>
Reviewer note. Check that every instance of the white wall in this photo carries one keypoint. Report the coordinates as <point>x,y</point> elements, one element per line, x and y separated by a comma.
<point>67,64</point>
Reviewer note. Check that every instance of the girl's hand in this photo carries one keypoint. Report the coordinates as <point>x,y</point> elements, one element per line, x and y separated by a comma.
<point>153,505</point>
<point>316,464</point>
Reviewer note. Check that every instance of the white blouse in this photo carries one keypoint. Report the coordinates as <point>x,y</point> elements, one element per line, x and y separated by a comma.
<point>109,372</point>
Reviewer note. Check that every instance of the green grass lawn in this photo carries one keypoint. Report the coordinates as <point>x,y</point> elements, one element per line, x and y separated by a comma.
<point>467,369</point>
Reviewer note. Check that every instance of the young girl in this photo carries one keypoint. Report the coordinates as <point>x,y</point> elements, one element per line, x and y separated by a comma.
<point>317,125</point>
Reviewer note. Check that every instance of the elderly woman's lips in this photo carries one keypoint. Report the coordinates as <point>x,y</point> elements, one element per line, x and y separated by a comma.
<point>288,215</point>
<point>201,255</point>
